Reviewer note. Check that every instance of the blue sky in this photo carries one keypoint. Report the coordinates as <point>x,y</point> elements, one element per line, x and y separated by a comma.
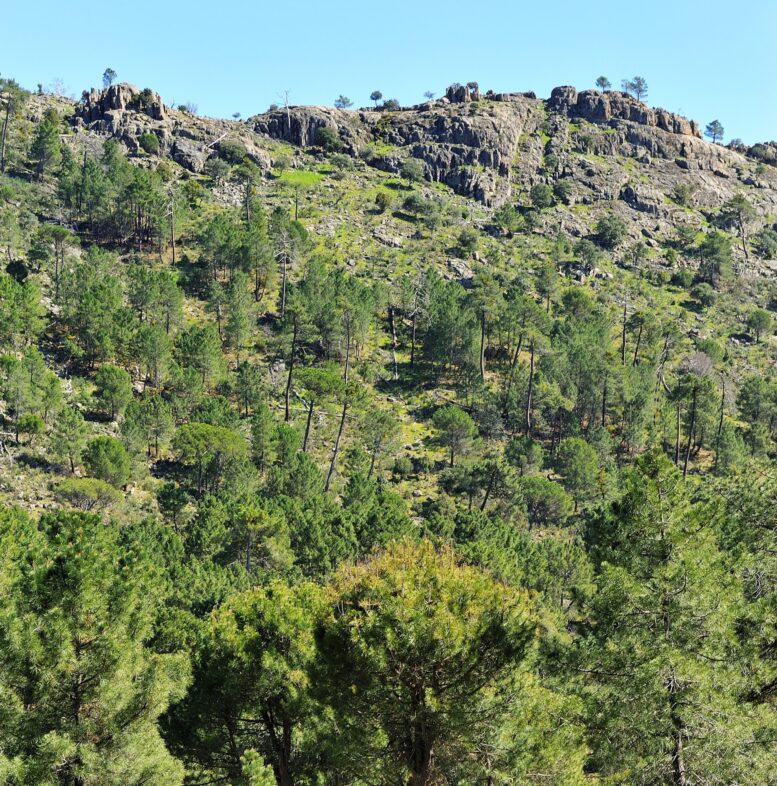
<point>713,59</point>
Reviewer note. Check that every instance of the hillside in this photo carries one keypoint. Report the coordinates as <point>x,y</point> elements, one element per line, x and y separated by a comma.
<point>278,377</point>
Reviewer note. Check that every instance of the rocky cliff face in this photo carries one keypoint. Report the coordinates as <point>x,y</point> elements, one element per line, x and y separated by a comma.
<point>493,146</point>
<point>598,107</point>
<point>125,113</point>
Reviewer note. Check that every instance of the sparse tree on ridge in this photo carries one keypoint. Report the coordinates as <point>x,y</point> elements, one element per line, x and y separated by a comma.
<point>637,87</point>
<point>343,102</point>
<point>428,95</point>
<point>603,83</point>
<point>109,76</point>
<point>714,131</point>
<point>375,96</point>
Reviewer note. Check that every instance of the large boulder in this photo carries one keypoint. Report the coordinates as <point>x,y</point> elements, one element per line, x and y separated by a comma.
<point>189,155</point>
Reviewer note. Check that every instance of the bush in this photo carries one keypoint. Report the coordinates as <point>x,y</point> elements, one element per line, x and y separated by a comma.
<point>232,151</point>
<point>683,194</point>
<point>402,467</point>
<point>562,190</point>
<point>546,501</point>
<point>682,278</point>
<point>328,138</point>
<point>610,231</point>
<point>468,240</point>
<point>704,295</point>
<point>217,170</point>
<point>114,389</point>
<point>383,201</point>
<point>149,143</point>
<point>758,323</point>
<point>765,244</point>
<point>417,205</point>
<point>508,218</point>
<point>541,196</point>
<point>342,164</point>
<point>31,425</point>
<point>87,493</point>
<point>106,459</point>
<point>412,171</point>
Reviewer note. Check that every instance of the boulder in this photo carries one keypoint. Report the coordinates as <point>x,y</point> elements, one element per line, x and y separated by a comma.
<point>189,155</point>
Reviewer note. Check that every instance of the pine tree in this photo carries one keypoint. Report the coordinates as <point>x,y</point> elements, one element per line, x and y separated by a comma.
<point>81,690</point>
<point>667,696</point>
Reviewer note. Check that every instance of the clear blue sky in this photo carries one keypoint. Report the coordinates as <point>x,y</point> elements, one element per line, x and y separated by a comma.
<point>713,59</point>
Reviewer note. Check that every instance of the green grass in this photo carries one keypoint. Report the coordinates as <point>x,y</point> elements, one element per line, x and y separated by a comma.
<point>301,177</point>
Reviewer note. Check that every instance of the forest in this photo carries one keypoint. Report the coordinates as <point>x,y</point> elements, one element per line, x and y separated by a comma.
<point>315,473</point>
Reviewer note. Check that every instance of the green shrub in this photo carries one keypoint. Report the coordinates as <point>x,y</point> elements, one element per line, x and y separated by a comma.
<point>682,278</point>
<point>87,493</point>
<point>383,201</point>
<point>149,143</point>
<point>541,196</point>
<point>610,231</point>
<point>704,295</point>
<point>402,467</point>
<point>106,459</point>
<point>232,151</point>
<point>328,138</point>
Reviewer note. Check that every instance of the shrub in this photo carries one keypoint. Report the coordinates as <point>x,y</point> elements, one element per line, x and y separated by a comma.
<point>546,502</point>
<point>114,389</point>
<point>232,151</point>
<point>328,138</point>
<point>682,278</point>
<point>402,467</point>
<point>468,240</point>
<point>610,231</point>
<point>383,201</point>
<point>149,143</point>
<point>765,243</point>
<point>217,170</point>
<point>562,190</point>
<point>683,194</point>
<point>31,425</point>
<point>87,493</point>
<point>106,459</point>
<point>704,295</point>
<point>541,196</point>
<point>412,171</point>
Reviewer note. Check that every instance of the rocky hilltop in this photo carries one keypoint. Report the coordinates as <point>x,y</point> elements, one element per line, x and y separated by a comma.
<point>492,147</point>
<point>126,113</point>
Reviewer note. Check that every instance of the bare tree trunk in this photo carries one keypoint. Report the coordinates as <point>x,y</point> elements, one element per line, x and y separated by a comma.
<point>720,426</point>
<point>412,338</point>
<point>333,463</point>
<point>678,753</point>
<point>635,361</point>
<point>604,402</point>
<point>623,332</point>
<point>283,284</point>
<point>307,427</point>
<point>677,438</point>
<point>6,121</point>
<point>690,433</point>
<point>482,346</point>
<point>530,390</point>
<point>287,415</point>
<point>393,342</point>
